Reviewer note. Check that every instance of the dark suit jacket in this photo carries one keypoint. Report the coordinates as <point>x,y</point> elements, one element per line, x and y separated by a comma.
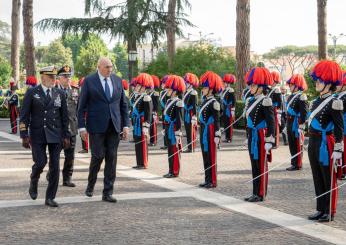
<point>48,123</point>
<point>99,111</point>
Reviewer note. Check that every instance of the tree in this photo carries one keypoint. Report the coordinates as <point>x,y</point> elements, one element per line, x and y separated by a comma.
<point>132,20</point>
<point>89,54</point>
<point>175,8</point>
<point>121,60</point>
<point>15,41</point>
<point>5,45</point>
<point>322,28</point>
<point>74,42</point>
<point>5,72</point>
<point>58,55</point>
<point>242,43</point>
<point>29,48</point>
<point>196,59</point>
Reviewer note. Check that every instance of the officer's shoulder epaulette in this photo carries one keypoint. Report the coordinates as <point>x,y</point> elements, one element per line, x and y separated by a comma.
<point>303,97</point>
<point>156,93</point>
<point>180,103</point>
<point>277,91</point>
<point>231,90</point>
<point>194,92</point>
<point>147,98</point>
<point>267,102</point>
<point>216,105</point>
<point>337,105</point>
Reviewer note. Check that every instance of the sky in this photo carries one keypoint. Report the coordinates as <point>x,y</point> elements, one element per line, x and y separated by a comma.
<point>274,23</point>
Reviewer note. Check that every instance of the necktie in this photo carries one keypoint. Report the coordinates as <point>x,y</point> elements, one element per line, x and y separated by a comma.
<point>48,95</point>
<point>107,90</point>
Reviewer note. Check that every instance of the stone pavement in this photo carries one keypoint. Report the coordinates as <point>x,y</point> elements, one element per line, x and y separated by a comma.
<point>152,210</point>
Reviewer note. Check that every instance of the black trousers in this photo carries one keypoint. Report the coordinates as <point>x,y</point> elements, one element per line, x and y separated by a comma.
<point>69,160</point>
<point>188,129</point>
<point>320,174</point>
<point>104,146</point>
<point>141,149</point>
<point>292,143</point>
<point>40,160</point>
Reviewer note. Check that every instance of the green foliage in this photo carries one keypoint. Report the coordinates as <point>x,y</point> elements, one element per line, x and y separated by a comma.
<point>57,54</point>
<point>311,92</point>
<point>5,72</point>
<point>121,60</point>
<point>196,59</point>
<point>74,42</point>
<point>89,54</point>
<point>239,108</point>
<point>5,45</point>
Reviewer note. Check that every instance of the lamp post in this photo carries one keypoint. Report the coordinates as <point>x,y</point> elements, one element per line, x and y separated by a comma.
<point>132,56</point>
<point>335,39</point>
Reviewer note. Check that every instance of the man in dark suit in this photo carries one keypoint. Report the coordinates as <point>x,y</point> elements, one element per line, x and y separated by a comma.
<point>44,112</point>
<point>103,100</point>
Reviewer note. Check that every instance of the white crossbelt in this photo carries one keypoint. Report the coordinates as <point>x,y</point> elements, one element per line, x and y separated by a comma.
<point>258,100</point>
<point>293,98</point>
<point>319,108</point>
<point>170,104</point>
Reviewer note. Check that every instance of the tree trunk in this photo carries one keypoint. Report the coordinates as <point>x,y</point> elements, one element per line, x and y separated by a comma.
<point>322,28</point>
<point>170,32</point>
<point>242,43</point>
<point>29,48</point>
<point>133,65</point>
<point>15,41</point>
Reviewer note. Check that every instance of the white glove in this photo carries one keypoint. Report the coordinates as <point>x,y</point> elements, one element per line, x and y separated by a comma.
<point>233,112</point>
<point>216,140</point>
<point>336,155</point>
<point>177,139</point>
<point>194,120</point>
<point>145,131</point>
<point>268,147</point>
<point>279,119</point>
<point>163,132</point>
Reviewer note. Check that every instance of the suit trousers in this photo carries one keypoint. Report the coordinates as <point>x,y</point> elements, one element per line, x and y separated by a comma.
<point>104,146</point>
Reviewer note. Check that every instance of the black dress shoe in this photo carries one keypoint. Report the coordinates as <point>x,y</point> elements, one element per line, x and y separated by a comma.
<point>109,198</point>
<point>210,185</point>
<point>138,167</point>
<point>203,184</point>
<point>187,151</point>
<point>255,199</point>
<point>89,193</point>
<point>51,203</point>
<point>248,198</point>
<point>343,177</point>
<point>68,184</point>
<point>227,141</point>
<point>83,151</point>
<point>163,148</point>
<point>33,190</point>
<point>292,168</point>
<point>326,218</point>
<point>315,216</point>
<point>152,144</point>
<point>168,175</point>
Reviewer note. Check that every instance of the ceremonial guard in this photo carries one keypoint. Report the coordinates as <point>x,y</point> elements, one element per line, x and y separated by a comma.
<point>228,103</point>
<point>71,91</point>
<point>210,132</point>
<point>275,94</point>
<point>341,95</point>
<point>44,123</point>
<point>13,104</point>
<point>325,149</point>
<point>141,116</point>
<point>260,130</point>
<point>155,97</point>
<point>173,117</point>
<point>297,109</point>
<point>190,100</point>
<point>85,143</point>
<point>163,100</point>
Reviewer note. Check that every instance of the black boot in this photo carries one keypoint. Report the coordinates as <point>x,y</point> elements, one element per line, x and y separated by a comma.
<point>326,218</point>
<point>315,216</point>
<point>67,182</point>
<point>33,190</point>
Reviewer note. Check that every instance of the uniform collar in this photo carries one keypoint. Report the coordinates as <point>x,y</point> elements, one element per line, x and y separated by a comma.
<point>210,97</point>
<point>325,95</point>
<point>44,88</point>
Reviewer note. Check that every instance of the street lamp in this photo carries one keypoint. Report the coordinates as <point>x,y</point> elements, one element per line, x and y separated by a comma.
<point>132,56</point>
<point>335,39</point>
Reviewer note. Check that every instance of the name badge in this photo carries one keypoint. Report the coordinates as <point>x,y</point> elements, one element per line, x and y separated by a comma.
<point>36,96</point>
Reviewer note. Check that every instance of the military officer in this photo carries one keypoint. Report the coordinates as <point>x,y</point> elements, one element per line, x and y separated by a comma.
<point>71,92</point>
<point>13,104</point>
<point>44,123</point>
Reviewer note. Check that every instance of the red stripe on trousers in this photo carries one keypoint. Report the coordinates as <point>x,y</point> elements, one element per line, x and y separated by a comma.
<point>277,129</point>
<point>262,152</point>
<point>176,160</point>
<point>212,151</point>
<point>331,141</point>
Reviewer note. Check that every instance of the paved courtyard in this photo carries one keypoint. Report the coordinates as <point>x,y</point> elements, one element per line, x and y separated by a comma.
<point>153,210</point>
